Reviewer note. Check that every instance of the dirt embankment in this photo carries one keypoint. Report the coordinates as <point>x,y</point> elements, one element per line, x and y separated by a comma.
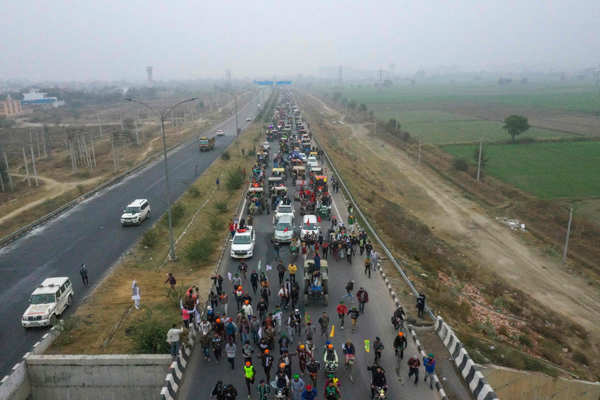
<point>503,284</point>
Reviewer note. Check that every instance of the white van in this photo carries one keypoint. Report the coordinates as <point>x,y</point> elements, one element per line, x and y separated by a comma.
<point>309,225</point>
<point>48,302</point>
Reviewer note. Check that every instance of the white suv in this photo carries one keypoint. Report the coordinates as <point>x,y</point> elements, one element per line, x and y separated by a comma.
<point>310,225</point>
<point>242,245</point>
<point>136,212</point>
<point>48,302</point>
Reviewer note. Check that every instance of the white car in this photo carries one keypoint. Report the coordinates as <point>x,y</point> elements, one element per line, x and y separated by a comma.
<point>48,302</point>
<point>242,245</point>
<point>310,225</point>
<point>312,159</point>
<point>220,132</point>
<point>283,209</point>
<point>136,212</point>
<point>284,229</point>
<point>249,119</point>
<point>266,145</point>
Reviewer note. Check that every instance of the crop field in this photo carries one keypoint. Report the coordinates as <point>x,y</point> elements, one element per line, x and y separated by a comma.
<point>547,170</point>
<point>584,99</point>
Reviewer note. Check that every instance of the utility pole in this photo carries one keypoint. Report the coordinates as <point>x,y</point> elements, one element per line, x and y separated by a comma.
<point>479,159</point>
<point>10,181</point>
<point>26,167</point>
<point>163,114</point>
<point>564,257</point>
<point>112,145</point>
<point>35,175</point>
<point>237,130</point>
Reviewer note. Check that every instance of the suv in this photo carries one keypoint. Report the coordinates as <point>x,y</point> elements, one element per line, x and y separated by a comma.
<point>283,209</point>
<point>242,245</point>
<point>284,229</point>
<point>48,301</point>
<point>136,212</point>
<point>309,225</point>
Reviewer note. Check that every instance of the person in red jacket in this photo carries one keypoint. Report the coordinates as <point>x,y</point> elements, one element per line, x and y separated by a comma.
<point>342,310</point>
<point>363,298</point>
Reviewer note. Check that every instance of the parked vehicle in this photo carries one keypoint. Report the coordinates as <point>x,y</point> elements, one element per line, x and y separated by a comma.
<point>48,302</point>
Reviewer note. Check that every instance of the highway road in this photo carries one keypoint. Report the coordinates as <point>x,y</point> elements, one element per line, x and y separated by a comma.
<point>202,375</point>
<point>91,233</point>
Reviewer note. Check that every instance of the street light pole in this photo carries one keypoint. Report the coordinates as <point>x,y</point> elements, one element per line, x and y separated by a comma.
<point>163,114</point>
<point>237,131</point>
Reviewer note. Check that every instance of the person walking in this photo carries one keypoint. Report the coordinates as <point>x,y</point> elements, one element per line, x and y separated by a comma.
<point>400,344</point>
<point>309,393</point>
<point>173,337</point>
<point>263,389</point>
<point>224,300</point>
<point>429,364</point>
<point>171,280</point>
<point>324,323</point>
<point>217,182</point>
<point>292,269</point>
<point>254,281</point>
<point>230,350</point>
<point>249,373</point>
<point>135,294</point>
<point>413,367</point>
<point>280,272</point>
<point>276,248</point>
<point>84,275</point>
<point>267,363</point>
<point>421,305</point>
<point>297,385</point>
<point>368,266</point>
<point>217,346</point>
<point>378,349</point>
<point>342,310</point>
<point>363,298</point>
<point>354,314</point>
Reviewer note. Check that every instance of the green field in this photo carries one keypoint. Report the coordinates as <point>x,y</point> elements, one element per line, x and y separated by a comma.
<point>584,99</point>
<point>547,170</point>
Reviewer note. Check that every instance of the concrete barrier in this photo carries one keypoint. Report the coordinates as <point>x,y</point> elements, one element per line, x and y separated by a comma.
<point>466,367</point>
<point>16,386</point>
<point>131,377</point>
<point>526,385</point>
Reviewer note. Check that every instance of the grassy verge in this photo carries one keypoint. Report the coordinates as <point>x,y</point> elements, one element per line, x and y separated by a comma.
<point>93,329</point>
<point>502,324</point>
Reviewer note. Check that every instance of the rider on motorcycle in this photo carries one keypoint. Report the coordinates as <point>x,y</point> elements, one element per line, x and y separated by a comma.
<point>281,381</point>
<point>378,381</point>
<point>399,317</point>
<point>349,351</point>
<point>330,357</point>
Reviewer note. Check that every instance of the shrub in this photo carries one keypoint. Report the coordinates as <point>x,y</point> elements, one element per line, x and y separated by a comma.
<point>464,310</point>
<point>221,207</point>
<point>193,191</point>
<point>149,336</point>
<point>580,358</point>
<point>502,330</point>
<point>175,294</point>
<point>200,250</point>
<point>150,238</point>
<point>234,179</point>
<point>177,213</point>
<point>215,223</point>
<point>251,153</point>
<point>225,156</point>
<point>525,340</point>
<point>460,164</point>
<point>66,327</point>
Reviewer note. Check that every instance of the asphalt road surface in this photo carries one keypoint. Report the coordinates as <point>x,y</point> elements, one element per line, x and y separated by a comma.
<point>91,233</point>
<point>202,375</point>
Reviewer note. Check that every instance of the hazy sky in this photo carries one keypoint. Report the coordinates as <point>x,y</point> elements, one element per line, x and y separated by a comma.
<point>116,39</point>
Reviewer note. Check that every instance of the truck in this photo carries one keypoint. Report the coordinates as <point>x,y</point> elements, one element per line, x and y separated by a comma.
<point>206,144</point>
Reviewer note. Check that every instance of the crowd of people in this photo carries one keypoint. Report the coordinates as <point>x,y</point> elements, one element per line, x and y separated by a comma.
<point>263,334</point>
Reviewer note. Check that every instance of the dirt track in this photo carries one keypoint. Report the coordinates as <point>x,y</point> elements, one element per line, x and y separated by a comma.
<point>467,226</point>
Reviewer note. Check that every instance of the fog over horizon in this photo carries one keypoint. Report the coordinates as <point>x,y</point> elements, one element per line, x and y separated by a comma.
<point>113,40</point>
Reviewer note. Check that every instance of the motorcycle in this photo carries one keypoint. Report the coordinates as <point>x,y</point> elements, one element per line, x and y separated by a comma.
<point>380,393</point>
<point>279,393</point>
<point>330,367</point>
<point>397,322</point>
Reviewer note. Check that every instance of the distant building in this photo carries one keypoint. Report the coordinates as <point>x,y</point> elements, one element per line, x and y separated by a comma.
<point>36,98</point>
<point>10,107</point>
<point>149,74</point>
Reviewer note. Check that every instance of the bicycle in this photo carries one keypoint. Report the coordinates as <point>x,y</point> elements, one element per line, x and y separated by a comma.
<point>350,359</point>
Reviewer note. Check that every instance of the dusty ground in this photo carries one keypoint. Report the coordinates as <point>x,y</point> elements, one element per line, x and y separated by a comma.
<point>467,226</point>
